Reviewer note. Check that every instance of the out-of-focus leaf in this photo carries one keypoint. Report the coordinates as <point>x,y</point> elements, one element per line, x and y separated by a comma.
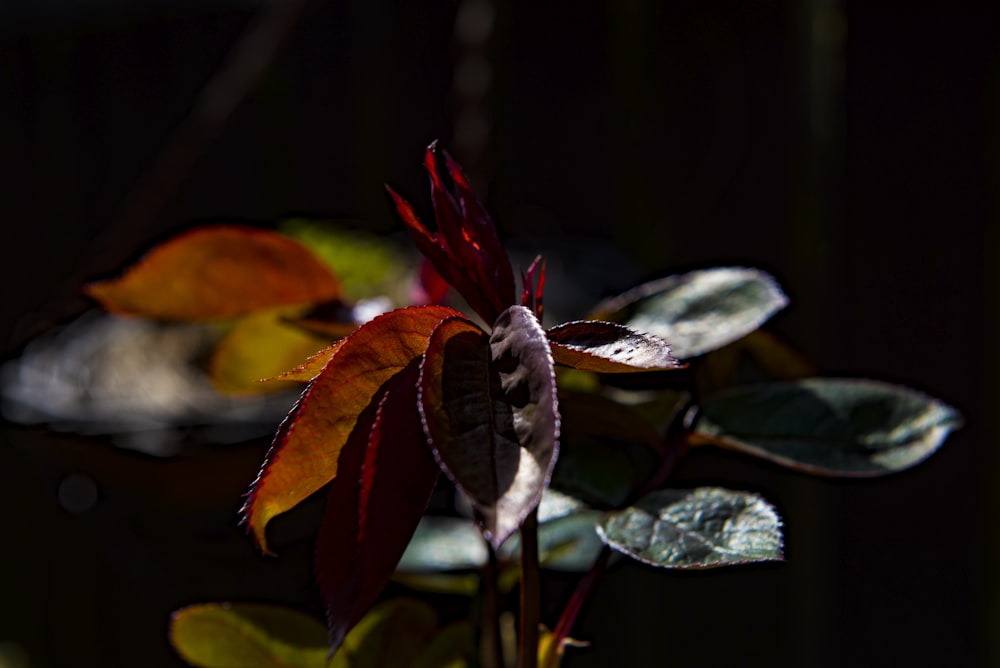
<point>247,635</point>
<point>826,426</point>
<point>607,449</point>
<point>385,481</point>
<point>457,584</point>
<point>550,653</point>
<point>606,347</point>
<point>701,528</point>
<point>367,265</point>
<point>308,444</point>
<point>777,358</point>
<point>389,636</point>
<point>216,273</point>
<point>260,346</point>
<point>453,647</point>
<point>698,311</point>
<point>490,412</point>
<point>444,543</point>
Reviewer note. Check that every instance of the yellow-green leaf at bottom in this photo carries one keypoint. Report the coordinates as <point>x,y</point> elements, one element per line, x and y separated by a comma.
<point>247,635</point>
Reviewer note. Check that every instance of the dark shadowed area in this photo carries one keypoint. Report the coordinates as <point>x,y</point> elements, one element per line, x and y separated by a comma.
<point>849,148</point>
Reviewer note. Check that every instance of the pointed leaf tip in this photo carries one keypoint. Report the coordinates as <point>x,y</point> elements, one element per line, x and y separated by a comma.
<point>606,347</point>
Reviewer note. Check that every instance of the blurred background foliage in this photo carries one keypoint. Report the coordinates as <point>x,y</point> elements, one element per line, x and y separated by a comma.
<point>850,148</point>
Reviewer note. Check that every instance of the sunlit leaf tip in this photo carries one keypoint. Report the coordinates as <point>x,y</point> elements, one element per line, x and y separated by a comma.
<point>606,347</point>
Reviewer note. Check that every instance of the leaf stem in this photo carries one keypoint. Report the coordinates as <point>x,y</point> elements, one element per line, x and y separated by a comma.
<point>490,654</point>
<point>530,593</point>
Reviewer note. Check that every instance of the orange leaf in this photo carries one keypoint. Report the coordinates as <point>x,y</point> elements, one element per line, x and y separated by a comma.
<point>215,273</point>
<point>304,455</point>
<point>309,369</point>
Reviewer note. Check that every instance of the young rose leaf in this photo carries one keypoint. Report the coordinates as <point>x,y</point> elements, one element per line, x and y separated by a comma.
<point>606,347</point>
<point>388,637</point>
<point>490,413</point>
<point>385,479</point>
<point>699,311</point>
<point>826,426</point>
<point>259,346</point>
<point>224,635</point>
<point>702,528</point>
<point>216,273</point>
<point>312,367</point>
<point>465,251</point>
<point>304,455</point>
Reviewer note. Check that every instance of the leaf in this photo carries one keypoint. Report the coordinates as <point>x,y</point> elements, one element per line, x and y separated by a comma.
<point>490,413</point>
<point>312,367</point>
<point>607,449</point>
<point>699,311</point>
<point>702,528</point>
<point>386,478</point>
<point>216,273</point>
<point>442,544</point>
<point>826,426</point>
<point>366,264</point>
<point>606,347</point>
<point>247,635</point>
<point>465,251</point>
<point>304,455</point>
<point>453,647</point>
<point>259,346</point>
<point>388,637</point>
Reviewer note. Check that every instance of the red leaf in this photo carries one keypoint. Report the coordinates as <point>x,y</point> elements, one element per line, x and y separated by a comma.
<point>215,273</point>
<point>386,476</point>
<point>606,347</point>
<point>490,413</point>
<point>304,455</point>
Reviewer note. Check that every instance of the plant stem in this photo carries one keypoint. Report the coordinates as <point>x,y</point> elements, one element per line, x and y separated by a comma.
<point>572,610</point>
<point>490,655</point>
<point>530,593</point>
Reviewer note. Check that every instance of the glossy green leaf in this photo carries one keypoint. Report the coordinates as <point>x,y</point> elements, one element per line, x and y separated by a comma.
<point>389,636</point>
<point>247,635</point>
<point>826,426</point>
<point>705,527</point>
<point>607,347</point>
<point>699,311</point>
<point>490,413</point>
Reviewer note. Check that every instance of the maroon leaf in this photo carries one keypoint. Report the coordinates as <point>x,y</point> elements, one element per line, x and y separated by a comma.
<point>490,412</point>
<point>606,347</point>
<point>466,250</point>
<point>385,479</point>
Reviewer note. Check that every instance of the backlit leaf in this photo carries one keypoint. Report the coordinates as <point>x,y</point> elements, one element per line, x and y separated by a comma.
<point>606,347</point>
<point>389,636</point>
<point>247,635</point>
<point>216,273</point>
<point>699,311</point>
<point>705,527</point>
<point>385,480</point>
<point>490,412</point>
<point>826,426</point>
<point>304,455</point>
<point>311,368</point>
<point>259,346</point>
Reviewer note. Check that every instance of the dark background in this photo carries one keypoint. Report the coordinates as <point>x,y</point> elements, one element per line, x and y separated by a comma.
<point>850,148</point>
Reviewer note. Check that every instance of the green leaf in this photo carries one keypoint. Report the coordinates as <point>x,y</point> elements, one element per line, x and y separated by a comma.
<point>702,528</point>
<point>699,311</point>
<point>453,647</point>
<point>366,264</point>
<point>389,636</point>
<point>443,544</point>
<point>247,635</point>
<point>825,426</point>
<point>490,413</point>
